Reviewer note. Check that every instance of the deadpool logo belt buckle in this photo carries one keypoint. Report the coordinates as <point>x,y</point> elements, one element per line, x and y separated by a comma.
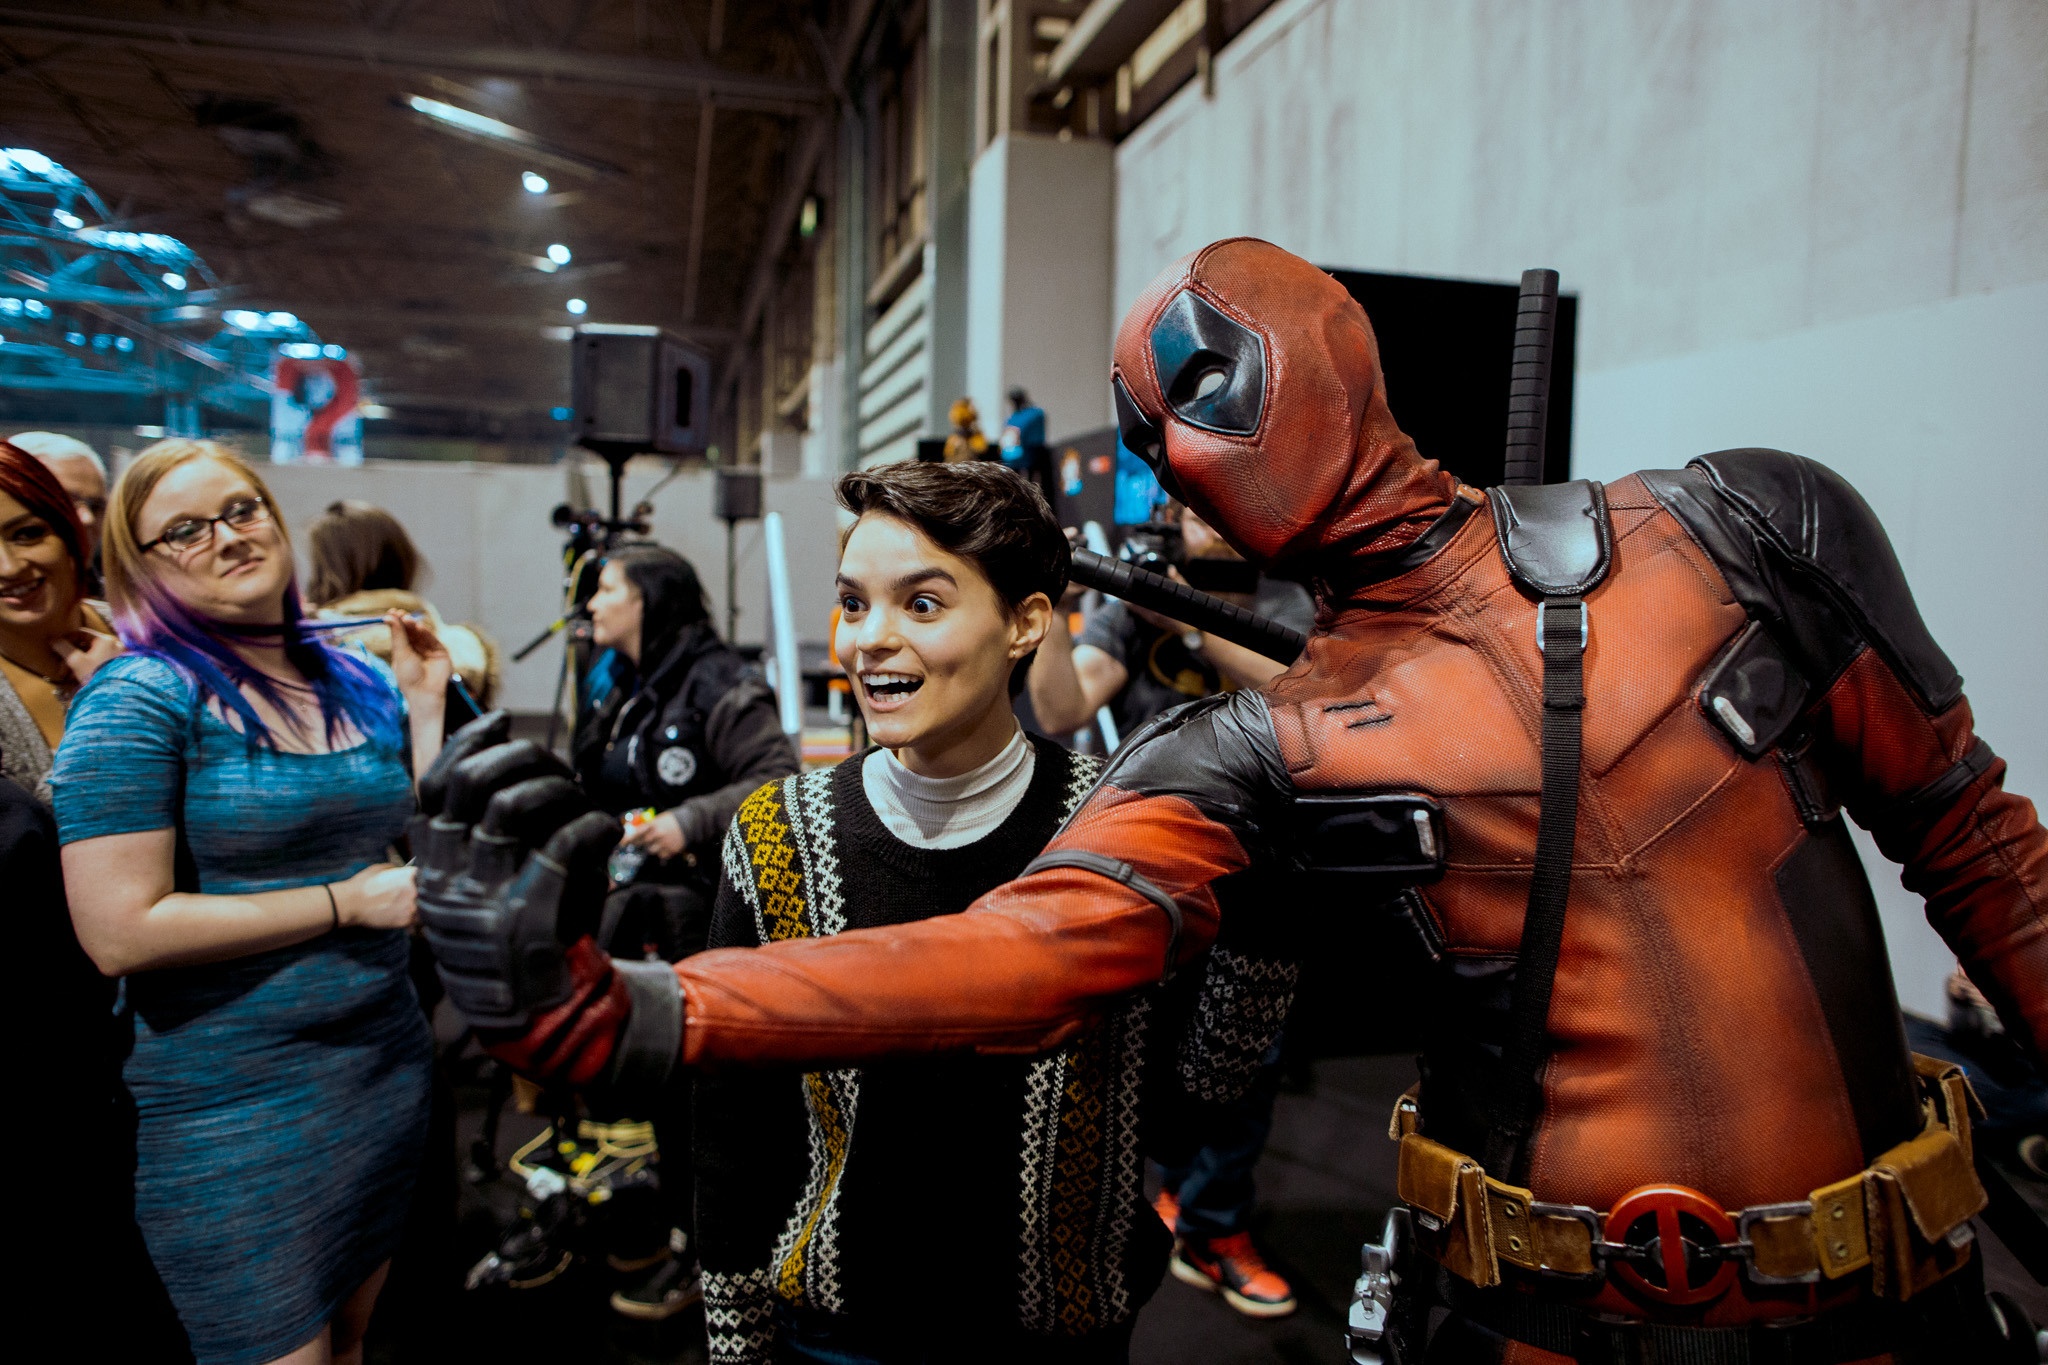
<point>1672,1245</point>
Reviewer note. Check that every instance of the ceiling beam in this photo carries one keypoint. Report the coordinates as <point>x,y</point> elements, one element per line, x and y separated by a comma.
<point>324,317</point>
<point>591,73</point>
<point>802,166</point>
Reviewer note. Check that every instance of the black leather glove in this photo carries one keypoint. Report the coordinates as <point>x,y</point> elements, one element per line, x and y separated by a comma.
<point>511,889</point>
<point>511,871</point>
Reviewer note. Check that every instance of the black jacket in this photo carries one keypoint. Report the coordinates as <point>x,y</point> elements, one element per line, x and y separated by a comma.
<point>698,731</point>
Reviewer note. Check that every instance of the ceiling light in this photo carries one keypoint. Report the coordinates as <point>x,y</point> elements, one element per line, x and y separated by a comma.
<point>807,220</point>
<point>335,352</point>
<point>558,333</point>
<point>465,120</point>
<point>242,318</point>
<point>283,322</point>
<point>375,412</point>
<point>172,279</point>
<point>534,183</point>
<point>505,137</point>
<point>30,160</point>
<point>561,414</point>
<point>544,265</point>
<point>68,219</point>
<point>578,306</point>
<point>150,433</point>
<point>559,254</point>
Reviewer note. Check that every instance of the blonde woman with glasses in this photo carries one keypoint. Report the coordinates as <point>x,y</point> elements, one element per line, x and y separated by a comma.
<point>228,792</point>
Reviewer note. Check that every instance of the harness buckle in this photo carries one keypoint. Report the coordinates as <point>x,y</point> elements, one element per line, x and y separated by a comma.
<point>1585,624</point>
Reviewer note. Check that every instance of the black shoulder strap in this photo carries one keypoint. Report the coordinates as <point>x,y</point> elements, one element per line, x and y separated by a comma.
<point>1558,546</point>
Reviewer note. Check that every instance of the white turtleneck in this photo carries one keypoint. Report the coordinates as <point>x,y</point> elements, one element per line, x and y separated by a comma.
<point>948,812</point>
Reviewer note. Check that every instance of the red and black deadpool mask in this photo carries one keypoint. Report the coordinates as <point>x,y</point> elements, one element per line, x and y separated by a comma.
<point>1250,382</point>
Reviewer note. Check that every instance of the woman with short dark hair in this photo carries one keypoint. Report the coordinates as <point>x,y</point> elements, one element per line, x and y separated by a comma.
<point>973,1208</point>
<point>675,730</point>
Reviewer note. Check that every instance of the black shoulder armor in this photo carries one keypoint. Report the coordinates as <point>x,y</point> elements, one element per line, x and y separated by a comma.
<point>1804,554</point>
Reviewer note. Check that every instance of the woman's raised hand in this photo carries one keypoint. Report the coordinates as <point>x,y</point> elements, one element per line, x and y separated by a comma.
<point>378,897</point>
<point>83,651</point>
<point>419,661</point>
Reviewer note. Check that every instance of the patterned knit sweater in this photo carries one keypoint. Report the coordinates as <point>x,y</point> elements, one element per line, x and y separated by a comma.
<point>957,1190</point>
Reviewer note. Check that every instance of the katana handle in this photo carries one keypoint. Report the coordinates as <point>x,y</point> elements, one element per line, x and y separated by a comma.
<point>1529,379</point>
<point>1156,592</point>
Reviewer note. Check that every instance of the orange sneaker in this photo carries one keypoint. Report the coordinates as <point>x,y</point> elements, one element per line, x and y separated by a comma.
<point>1167,1206</point>
<point>1232,1267</point>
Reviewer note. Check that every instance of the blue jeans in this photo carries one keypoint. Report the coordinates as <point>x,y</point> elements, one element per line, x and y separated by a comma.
<point>1215,1186</point>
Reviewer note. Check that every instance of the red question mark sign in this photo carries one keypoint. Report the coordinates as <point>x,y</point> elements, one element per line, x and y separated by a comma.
<point>320,424</point>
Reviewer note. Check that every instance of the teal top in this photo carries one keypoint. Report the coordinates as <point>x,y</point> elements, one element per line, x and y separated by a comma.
<point>280,1098</point>
<point>142,753</point>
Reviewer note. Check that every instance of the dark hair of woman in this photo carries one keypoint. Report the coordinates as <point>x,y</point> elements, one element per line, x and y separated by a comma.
<point>356,547</point>
<point>983,512</point>
<point>29,482</point>
<point>671,597</point>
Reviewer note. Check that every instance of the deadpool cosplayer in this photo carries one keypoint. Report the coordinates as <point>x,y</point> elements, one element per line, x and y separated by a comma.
<point>1596,742</point>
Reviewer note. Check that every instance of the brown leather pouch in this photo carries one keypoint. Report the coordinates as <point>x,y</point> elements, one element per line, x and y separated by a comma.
<point>1918,1194</point>
<point>1407,1115</point>
<point>1447,1190</point>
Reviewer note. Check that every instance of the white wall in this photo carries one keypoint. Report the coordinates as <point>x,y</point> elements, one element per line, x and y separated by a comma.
<point>496,561</point>
<point>1822,227</point>
<point>1700,171</point>
<point>1038,280</point>
<point>1939,416</point>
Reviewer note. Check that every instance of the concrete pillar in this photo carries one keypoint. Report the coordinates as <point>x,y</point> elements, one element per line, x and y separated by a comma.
<point>1040,271</point>
<point>949,119</point>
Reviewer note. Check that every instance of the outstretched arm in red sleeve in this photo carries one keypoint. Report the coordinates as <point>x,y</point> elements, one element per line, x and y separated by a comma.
<point>1932,794</point>
<point>1118,899</point>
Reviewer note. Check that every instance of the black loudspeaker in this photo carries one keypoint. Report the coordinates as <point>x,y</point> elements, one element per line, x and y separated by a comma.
<point>737,495</point>
<point>1447,349</point>
<point>640,389</point>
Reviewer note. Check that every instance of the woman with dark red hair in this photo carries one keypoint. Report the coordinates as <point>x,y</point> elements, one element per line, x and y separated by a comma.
<point>51,638</point>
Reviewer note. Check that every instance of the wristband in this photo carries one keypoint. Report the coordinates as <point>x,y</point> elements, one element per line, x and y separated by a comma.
<point>334,906</point>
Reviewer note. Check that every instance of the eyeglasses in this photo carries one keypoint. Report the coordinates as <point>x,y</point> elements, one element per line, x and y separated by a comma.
<point>246,514</point>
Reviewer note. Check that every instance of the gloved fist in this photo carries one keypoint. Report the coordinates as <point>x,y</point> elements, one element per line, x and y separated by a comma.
<point>511,889</point>
<point>511,871</point>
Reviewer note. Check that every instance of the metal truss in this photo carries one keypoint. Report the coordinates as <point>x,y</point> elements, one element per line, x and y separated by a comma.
<point>89,307</point>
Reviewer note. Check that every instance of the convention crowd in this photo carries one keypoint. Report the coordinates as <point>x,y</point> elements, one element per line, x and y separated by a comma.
<point>211,772</point>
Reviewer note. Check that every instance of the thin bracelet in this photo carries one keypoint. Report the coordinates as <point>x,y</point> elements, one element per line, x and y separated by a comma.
<point>333,905</point>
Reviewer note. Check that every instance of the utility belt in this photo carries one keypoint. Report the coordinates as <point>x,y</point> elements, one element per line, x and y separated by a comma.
<point>1905,1218</point>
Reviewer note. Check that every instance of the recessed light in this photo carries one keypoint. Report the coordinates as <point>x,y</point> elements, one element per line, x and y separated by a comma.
<point>578,306</point>
<point>559,254</point>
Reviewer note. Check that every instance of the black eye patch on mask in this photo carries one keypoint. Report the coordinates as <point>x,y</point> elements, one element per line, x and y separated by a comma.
<point>1212,368</point>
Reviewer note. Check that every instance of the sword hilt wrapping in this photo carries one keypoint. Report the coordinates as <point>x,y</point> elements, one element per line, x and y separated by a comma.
<point>1156,592</point>
<point>1529,378</point>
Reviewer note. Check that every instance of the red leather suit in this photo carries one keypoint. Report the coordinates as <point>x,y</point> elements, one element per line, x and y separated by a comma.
<point>1722,1014</point>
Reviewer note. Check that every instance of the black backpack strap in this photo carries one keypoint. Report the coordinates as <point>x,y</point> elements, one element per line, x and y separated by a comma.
<point>1558,546</point>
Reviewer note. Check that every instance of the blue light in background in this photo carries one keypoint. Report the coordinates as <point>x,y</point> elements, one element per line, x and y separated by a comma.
<point>561,414</point>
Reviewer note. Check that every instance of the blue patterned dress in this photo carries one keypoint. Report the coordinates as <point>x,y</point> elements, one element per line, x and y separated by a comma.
<point>281,1099</point>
